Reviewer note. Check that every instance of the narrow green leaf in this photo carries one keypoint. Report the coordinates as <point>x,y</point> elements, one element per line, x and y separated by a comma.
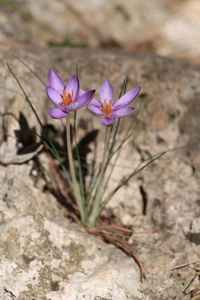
<point>25,95</point>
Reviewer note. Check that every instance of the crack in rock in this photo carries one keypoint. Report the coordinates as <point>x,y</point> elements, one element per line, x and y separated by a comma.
<point>10,293</point>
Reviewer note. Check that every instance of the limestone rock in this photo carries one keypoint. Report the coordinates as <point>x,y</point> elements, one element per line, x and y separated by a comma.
<point>162,205</point>
<point>155,26</point>
<point>43,256</point>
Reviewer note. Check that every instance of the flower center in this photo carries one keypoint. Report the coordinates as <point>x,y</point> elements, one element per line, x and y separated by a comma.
<point>67,97</point>
<point>107,109</point>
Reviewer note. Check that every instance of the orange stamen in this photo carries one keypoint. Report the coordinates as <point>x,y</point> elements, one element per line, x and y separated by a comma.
<point>107,109</point>
<point>67,98</point>
<point>72,94</point>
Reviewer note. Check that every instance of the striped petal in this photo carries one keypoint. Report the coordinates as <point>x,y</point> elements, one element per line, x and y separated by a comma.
<point>95,107</point>
<point>72,106</point>
<point>57,113</point>
<point>53,95</point>
<point>56,82</point>
<point>108,121</point>
<point>106,92</point>
<point>81,92</point>
<point>72,87</point>
<point>127,98</point>
<point>85,98</point>
<point>123,112</point>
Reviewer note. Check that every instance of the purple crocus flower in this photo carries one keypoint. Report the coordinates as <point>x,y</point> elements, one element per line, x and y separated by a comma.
<point>67,97</point>
<point>109,109</point>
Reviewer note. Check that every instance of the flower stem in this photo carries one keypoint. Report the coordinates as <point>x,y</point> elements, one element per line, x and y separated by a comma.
<point>81,185</point>
<point>93,217</point>
<point>75,184</point>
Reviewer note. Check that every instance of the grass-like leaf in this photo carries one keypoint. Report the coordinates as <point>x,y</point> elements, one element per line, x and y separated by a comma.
<point>25,95</point>
<point>127,178</point>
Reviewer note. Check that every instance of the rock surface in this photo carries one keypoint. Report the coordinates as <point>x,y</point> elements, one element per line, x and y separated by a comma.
<point>49,255</point>
<point>45,257</point>
<point>170,28</point>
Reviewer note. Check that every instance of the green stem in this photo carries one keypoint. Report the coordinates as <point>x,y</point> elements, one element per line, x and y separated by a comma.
<point>31,70</point>
<point>25,95</point>
<point>95,180</point>
<point>92,219</point>
<point>82,190</point>
<point>75,184</point>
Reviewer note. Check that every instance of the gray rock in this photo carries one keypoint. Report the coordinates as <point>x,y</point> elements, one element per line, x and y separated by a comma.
<point>43,256</point>
<point>162,204</point>
<point>18,28</point>
<point>155,26</point>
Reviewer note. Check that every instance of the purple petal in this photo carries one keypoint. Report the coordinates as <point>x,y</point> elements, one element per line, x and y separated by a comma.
<point>108,121</point>
<point>106,92</point>
<point>73,106</point>
<point>53,95</point>
<point>73,85</point>
<point>95,107</point>
<point>81,92</point>
<point>85,98</point>
<point>127,99</point>
<point>57,113</point>
<point>56,82</point>
<point>122,112</point>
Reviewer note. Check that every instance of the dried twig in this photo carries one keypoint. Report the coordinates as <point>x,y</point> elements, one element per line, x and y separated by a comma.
<point>119,236</point>
<point>184,265</point>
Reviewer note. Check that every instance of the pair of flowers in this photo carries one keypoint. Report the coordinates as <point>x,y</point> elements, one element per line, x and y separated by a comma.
<point>69,97</point>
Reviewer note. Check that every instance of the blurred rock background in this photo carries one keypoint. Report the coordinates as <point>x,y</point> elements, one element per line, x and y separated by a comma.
<point>165,27</point>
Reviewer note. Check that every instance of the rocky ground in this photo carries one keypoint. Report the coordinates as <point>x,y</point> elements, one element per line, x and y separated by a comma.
<point>165,27</point>
<point>44,255</point>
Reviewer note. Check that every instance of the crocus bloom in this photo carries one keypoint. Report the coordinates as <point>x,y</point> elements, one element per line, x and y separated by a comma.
<point>110,109</point>
<point>67,97</point>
